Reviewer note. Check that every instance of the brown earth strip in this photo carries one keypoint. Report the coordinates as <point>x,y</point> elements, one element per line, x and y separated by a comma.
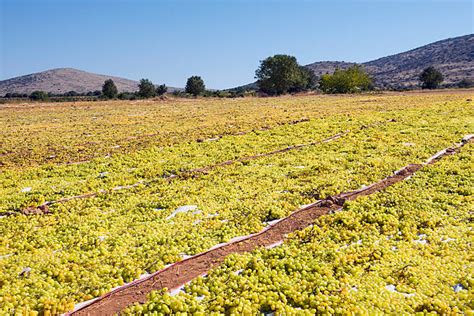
<point>186,270</point>
<point>200,140</point>
<point>248,158</point>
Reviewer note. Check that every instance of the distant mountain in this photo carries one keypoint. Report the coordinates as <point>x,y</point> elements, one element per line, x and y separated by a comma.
<point>63,80</point>
<point>454,57</point>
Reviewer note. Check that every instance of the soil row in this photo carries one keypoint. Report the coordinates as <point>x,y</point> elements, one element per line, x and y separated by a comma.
<point>201,140</point>
<point>182,272</point>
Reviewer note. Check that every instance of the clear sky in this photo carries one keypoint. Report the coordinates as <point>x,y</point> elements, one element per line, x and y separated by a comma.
<point>222,41</point>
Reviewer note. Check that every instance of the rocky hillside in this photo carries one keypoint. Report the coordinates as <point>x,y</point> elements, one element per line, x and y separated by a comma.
<point>62,80</point>
<point>322,67</point>
<point>454,57</point>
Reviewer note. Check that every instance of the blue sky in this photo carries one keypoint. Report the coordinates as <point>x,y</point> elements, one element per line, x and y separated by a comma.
<point>222,41</point>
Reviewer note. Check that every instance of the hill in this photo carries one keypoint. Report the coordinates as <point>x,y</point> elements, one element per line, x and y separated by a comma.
<point>62,80</point>
<point>454,57</point>
<point>322,67</point>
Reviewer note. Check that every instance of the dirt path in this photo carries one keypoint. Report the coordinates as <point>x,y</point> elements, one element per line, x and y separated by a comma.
<point>178,274</point>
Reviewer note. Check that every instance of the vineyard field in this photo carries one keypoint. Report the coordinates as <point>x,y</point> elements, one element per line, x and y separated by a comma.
<point>96,195</point>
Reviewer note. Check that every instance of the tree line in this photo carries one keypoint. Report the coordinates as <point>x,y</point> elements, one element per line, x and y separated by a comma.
<point>281,74</point>
<point>276,75</point>
<point>146,89</point>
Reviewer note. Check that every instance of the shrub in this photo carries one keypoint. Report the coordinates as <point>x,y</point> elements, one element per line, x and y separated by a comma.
<point>161,89</point>
<point>466,83</point>
<point>354,79</point>
<point>39,96</point>
<point>127,96</point>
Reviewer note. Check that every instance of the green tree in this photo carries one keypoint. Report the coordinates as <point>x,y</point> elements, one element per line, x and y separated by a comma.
<point>280,74</point>
<point>195,85</point>
<point>146,89</point>
<point>354,79</point>
<point>306,81</point>
<point>430,78</point>
<point>39,96</point>
<point>161,89</point>
<point>109,90</point>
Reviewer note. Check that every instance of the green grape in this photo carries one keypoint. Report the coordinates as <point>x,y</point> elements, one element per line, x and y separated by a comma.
<point>86,247</point>
<point>284,285</point>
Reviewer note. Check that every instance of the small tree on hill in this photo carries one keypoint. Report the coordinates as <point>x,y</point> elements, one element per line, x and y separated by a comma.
<point>161,89</point>
<point>109,90</point>
<point>195,85</point>
<point>146,89</point>
<point>431,78</point>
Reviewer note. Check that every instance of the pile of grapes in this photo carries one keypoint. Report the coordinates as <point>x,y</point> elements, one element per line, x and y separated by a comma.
<point>85,247</point>
<point>405,250</point>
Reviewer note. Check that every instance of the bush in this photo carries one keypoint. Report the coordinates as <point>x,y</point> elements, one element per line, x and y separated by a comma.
<point>71,94</point>
<point>16,95</point>
<point>127,96</point>
<point>96,93</point>
<point>354,79</point>
<point>161,89</point>
<point>39,96</point>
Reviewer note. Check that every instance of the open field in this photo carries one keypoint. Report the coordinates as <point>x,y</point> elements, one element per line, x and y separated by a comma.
<point>112,179</point>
